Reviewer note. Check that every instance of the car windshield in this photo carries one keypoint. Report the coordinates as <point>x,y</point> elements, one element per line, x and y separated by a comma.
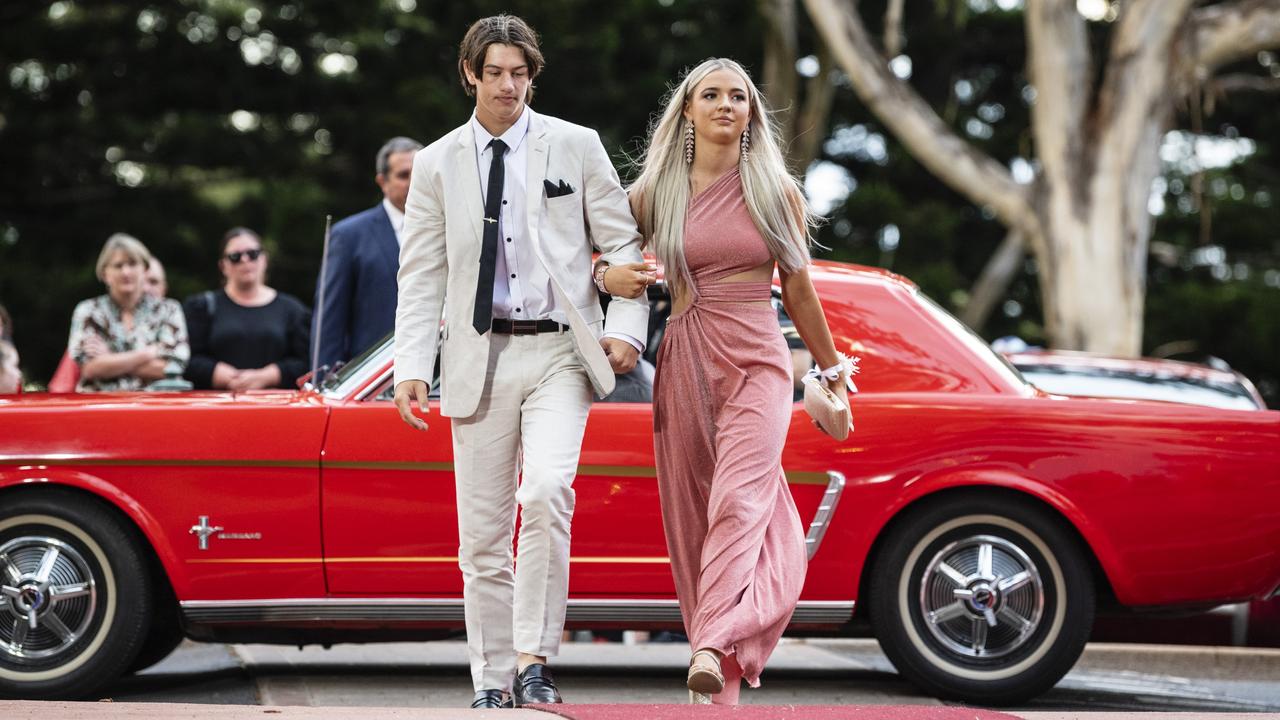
<point>1107,382</point>
<point>341,377</point>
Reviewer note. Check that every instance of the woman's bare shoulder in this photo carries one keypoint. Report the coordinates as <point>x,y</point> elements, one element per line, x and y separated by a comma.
<point>636,199</point>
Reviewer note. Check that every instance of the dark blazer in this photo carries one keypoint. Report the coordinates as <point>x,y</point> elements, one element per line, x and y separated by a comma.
<point>360,286</point>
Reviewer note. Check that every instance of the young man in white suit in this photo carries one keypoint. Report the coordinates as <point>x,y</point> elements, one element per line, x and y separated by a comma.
<point>500,223</point>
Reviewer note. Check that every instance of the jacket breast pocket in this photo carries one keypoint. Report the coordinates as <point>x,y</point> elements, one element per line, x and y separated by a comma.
<point>565,205</point>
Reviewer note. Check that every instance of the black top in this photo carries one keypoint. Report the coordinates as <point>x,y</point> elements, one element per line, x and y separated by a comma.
<point>247,337</point>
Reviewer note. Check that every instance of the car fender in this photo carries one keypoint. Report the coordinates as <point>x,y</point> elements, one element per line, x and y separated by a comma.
<point>36,475</point>
<point>1094,538</point>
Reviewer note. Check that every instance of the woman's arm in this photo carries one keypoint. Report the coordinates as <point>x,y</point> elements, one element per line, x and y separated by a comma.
<point>171,333</point>
<point>298,340</point>
<point>169,343</point>
<point>202,369</point>
<point>89,346</point>
<point>802,305</point>
<point>268,376</point>
<point>151,370</point>
<point>114,365</point>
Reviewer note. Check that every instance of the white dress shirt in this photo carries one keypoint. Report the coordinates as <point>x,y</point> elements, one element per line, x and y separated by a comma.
<point>397,220</point>
<point>521,286</point>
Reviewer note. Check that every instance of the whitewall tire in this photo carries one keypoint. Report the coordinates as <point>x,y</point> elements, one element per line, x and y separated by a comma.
<point>985,599</point>
<point>76,596</point>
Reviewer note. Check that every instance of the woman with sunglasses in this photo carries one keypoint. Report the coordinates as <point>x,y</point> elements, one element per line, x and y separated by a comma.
<point>246,336</point>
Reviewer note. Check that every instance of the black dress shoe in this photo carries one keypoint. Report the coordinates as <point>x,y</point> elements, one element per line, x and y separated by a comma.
<point>535,685</point>
<point>491,699</point>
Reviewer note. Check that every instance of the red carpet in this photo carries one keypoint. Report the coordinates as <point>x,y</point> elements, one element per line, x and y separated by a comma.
<point>769,712</point>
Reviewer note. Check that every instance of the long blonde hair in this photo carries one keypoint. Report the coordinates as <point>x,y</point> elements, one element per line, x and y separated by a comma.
<point>774,198</point>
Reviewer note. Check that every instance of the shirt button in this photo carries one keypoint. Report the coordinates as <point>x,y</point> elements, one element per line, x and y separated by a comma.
<point>517,309</point>
<point>513,275</point>
<point>508,239</point>
<point>504,202</point>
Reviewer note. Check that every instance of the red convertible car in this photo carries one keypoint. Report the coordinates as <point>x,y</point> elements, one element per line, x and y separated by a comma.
<point>973,523</point>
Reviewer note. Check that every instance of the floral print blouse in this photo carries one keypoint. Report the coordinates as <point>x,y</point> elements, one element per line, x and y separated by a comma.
<point>155,322</point>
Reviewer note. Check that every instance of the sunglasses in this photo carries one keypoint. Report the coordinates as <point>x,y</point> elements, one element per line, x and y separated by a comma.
<point>249,255</point>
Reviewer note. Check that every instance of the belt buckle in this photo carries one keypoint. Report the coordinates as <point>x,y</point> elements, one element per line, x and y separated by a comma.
<point>524,327</point>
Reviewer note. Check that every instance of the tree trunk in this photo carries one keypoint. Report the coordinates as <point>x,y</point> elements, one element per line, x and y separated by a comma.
<point>1095,218</point>
<point>1098,252</point>
<point>803,125</point>
<point>1085,217</point>
<point>809,126</point>
<point>778,80</point>
<point>1096,294</point>
<point>893,28</point>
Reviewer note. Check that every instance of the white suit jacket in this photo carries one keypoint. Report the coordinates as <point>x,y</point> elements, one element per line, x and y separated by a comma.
<point>440,255</point>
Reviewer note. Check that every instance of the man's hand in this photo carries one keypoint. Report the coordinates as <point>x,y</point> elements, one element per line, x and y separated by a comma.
<point>622,355</point>
<point>407,392</point>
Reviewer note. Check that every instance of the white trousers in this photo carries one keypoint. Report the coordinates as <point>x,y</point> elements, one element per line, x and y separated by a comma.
<point>531,416</point>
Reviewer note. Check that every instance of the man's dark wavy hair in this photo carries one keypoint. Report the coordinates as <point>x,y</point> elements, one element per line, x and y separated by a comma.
<point>503,29</point>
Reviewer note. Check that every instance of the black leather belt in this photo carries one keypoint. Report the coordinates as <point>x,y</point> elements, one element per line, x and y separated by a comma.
<point>503,326</point>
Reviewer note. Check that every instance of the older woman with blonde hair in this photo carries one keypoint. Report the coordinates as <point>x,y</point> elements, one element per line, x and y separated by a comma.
<point>125,339</point>
<point>715,201</point>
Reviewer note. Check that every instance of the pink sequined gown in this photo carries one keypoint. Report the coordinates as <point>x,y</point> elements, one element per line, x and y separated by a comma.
<point>722,404</point>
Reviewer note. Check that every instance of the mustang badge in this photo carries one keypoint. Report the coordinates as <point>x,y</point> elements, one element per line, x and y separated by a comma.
<point>203,530</point>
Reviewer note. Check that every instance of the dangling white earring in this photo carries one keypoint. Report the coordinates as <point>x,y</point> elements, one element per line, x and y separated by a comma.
<point>688,143</point>
<point>746,142</point>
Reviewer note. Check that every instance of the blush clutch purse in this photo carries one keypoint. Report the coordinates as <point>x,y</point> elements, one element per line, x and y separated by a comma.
<point>828,411</point>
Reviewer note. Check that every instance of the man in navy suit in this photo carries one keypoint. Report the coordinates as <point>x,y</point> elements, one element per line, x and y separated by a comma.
<point>364,256</point>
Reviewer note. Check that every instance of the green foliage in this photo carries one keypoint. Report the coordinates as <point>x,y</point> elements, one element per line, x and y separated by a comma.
<point>969,66</point>
<point>178,119</point>
<point>1221,297</point>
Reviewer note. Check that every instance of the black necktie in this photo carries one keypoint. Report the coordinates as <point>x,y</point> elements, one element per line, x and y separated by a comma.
<point>489,249</point>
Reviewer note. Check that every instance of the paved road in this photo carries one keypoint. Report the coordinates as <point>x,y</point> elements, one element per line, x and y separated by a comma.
<point>1108,677</point>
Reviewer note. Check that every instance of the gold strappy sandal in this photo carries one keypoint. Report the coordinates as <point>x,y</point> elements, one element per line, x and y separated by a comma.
<point>704,674</point>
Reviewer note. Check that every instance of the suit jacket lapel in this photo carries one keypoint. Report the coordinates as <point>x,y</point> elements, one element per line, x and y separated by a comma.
<point>387,245</point>
<point>535,173</point>
<point>464,169</point>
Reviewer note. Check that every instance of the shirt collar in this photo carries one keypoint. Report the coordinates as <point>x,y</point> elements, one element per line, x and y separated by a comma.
<point>512,137</point>
<point>396,217</point>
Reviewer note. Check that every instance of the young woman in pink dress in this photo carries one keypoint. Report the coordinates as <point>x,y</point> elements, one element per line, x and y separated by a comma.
<point>716,202</point>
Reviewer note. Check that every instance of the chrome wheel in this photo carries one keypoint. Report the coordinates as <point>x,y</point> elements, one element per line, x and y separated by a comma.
<point>75,594</point>
<point>982,597</point>
<point>47,598</point>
